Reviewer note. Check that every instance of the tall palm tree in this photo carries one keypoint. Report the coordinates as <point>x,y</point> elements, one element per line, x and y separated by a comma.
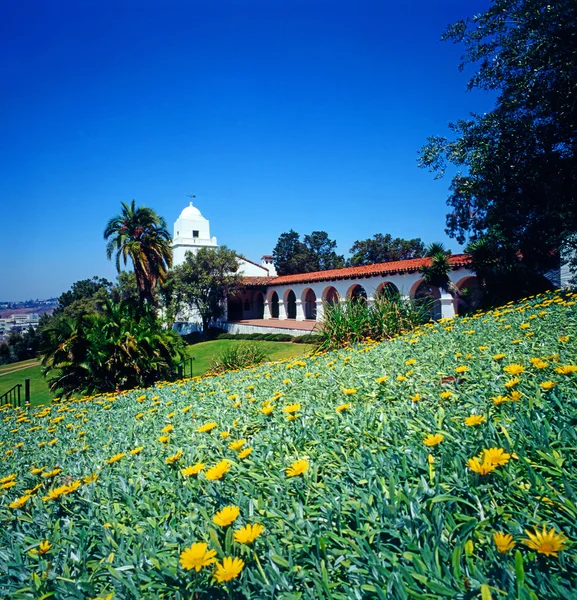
<point>140,234</point>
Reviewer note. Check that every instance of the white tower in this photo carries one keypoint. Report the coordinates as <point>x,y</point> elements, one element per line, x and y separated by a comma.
<point>191,232</point>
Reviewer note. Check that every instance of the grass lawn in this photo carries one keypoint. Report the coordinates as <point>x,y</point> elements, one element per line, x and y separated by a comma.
<point>203,352</point>
<point>39,392</point>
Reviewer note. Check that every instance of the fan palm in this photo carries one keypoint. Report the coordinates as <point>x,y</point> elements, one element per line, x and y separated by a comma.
<point>140,234</point>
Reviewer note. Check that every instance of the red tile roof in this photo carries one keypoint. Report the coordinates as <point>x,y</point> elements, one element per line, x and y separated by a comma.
<point>388,268</point>
<point>256,280</point>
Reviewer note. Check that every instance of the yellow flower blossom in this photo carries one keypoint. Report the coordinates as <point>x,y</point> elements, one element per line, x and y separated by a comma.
<point>136,450</point>
<point>512,382</point>
<point>433,439</point>
<point>218,471</point>
<point>415,398</point>
<point>481,467</point>
<point>206,427</point>
<point>197,556</point>
<point>192,470</point>
<point>174,458</point>
<point>291,408</point>
<point>229,569</point>
<point>546,542</point>
<point>514,369</point>
<point>499,356</point>
<point>343,407</point>
<point>445,395</point>
<point>547,385</point>
<point>242,455</point>
<point>226,516</point>
<point>164,439</point>
<point>349,391</point>
<point>237,445</point>
<point>474,420</point>
<point>248,533</point>
<point>461,369</point>
<point>504,542</point>
<point>115,458</point>
<point>298,468</point>
<point>538,363</point>
<point>566,369</point>
<point>381,379</point>
<point>90,478</point>
<point>267,410</point>
<point>20,502</point>
<point>53,473</point>
<point>167,429</point>
<point>515,396</point>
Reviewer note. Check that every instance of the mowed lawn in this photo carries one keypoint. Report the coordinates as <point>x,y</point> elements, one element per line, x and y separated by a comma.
<point>39,392</point>
<point>202,353</point>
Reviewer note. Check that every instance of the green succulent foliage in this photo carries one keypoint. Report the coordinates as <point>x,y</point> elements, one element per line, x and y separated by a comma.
<point>372,517</point>
<point>122,347</point>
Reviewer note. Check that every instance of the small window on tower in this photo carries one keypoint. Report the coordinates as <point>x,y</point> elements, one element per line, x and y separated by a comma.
<point>194,233</point>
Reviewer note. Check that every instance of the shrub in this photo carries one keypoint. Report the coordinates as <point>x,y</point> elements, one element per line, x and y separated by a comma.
<point>123,347</point>
<point>308,338</point>
<point>352,321</point>
<point>238,356</point>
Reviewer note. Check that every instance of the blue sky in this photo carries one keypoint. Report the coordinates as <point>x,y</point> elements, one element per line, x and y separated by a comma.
<point>276,114</point>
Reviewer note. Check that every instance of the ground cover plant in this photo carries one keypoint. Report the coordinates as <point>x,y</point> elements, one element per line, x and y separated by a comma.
<point>438,464</point>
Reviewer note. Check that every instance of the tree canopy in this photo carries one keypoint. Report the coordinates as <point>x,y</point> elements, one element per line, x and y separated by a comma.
<point>317,252</point>
<point>203,281</point>
<point>384,248</point>
<point>517,164</point>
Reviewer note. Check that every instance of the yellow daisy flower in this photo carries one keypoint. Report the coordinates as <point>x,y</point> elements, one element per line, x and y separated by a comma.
<point>197,556</point>
<point>230,568</point>
<point>248,533</point>
<point>433,439</point>
<point>504,542</point>
<point>226,516</point>
<point>546,542</point>
<point>297,468</point>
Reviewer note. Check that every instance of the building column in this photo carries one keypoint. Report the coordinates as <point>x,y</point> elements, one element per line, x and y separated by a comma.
<point>447,306</point>
<point>300,312</point>
<point>281,310</point>
<point>320,309</point>
<point>266,314</point>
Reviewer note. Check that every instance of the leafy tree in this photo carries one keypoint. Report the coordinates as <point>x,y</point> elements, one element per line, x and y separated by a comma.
<point>80,290</point>
<point>123,347</point>
<point>517,164</point>
<point>322,251</point>
<point>126,287</point>
<point>203,281</point>
<point>290,255</point>
<point>384,248</point>
<point>5,356</point>
<point>141,235</point>
<point>315,253</point>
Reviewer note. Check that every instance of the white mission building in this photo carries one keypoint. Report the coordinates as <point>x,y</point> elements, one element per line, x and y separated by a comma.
<point>294,304</point>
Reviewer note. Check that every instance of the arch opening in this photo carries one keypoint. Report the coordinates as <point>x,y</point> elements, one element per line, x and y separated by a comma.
<point>309,300</point>
<point>428,297</point>
<point>274,309</point>
<point>357,293</point>
<point>291,305</point>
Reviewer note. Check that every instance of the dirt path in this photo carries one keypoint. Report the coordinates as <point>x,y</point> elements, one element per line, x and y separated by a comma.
<point>21,368</point>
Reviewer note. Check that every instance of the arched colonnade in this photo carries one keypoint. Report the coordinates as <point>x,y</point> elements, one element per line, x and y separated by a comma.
<point>305,301</point>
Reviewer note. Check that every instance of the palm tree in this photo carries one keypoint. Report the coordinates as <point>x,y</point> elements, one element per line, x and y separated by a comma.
<point>140,234</point>
<point>437,273</point>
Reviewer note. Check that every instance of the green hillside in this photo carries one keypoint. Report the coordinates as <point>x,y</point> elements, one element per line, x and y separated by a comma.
<point>441,464</point>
